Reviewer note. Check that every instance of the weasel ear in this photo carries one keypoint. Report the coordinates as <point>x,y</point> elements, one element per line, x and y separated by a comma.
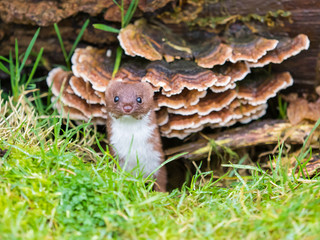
<point>148,89</point>
<point>110,86</point>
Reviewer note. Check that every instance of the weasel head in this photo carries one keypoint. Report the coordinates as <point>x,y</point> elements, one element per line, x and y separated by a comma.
<point>129,99</point>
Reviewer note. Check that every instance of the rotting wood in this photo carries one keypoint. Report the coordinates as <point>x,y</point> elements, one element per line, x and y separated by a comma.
<point>69,30</point>
<point>45,13</point>
<point>305,19</point>
<point>257,133</point>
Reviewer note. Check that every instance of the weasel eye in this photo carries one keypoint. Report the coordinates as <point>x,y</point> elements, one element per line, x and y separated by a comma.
<point>139,100</point>
<point>116,99</point>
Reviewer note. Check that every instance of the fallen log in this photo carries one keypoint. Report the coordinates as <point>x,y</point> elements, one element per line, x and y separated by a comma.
<point>258,133</point>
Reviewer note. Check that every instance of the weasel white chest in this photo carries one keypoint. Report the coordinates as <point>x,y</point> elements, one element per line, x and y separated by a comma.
<point>132,141</point>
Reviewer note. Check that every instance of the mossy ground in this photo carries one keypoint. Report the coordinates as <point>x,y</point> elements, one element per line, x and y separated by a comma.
<point>53,185</point>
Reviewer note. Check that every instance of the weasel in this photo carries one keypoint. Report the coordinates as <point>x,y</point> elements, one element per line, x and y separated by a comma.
<point>132,129</point>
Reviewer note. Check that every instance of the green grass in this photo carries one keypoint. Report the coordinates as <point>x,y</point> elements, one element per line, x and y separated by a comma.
<point>53,185</point>
<point>67,57</point>
<point>19,80</point>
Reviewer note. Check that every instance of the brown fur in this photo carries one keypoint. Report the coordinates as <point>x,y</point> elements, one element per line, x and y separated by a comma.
<point>128,94</point>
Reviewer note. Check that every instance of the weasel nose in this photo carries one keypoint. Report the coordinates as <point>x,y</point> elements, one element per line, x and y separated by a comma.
<point>127,108</point>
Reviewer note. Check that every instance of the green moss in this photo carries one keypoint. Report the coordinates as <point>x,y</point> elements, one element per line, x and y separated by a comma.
<point>189,12</point>
<point>271,19</point>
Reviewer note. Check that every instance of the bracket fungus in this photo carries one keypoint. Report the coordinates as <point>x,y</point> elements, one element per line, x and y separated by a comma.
<point>183,100</point>
<point>92,65</point>
<point>211,102</point>
<point>245,44</point>
<point>67,100</point>
<point>155,41</point>
<point>174,77</point>
<point>197,84</point>
<point>287,47</point>
<point>258,91</point>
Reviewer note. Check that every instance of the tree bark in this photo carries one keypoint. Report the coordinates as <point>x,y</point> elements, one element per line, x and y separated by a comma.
<point>19,24</point>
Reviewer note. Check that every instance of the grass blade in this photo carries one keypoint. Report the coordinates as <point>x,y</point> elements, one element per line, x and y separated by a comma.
<point>311,132</point>
<point>165,162</point>
<point>17,74</point>
<point>28,51</point>
<point>56,28</point>
<point>85,25</point>
<point>4,69</point>
<point>39,105</point>
<point>117,61</point>
<point>303,154</point>
<point>282,107</point>
<point>278,160</point>
<point>4,59</point>
<point>122,13</point>
<point>116,3</point>
<point>21,150</point>
<point>106,28</point>
<point>241,180</point>
<point>132,8</point>
<point>34,68</point>
<point>12,76</point>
